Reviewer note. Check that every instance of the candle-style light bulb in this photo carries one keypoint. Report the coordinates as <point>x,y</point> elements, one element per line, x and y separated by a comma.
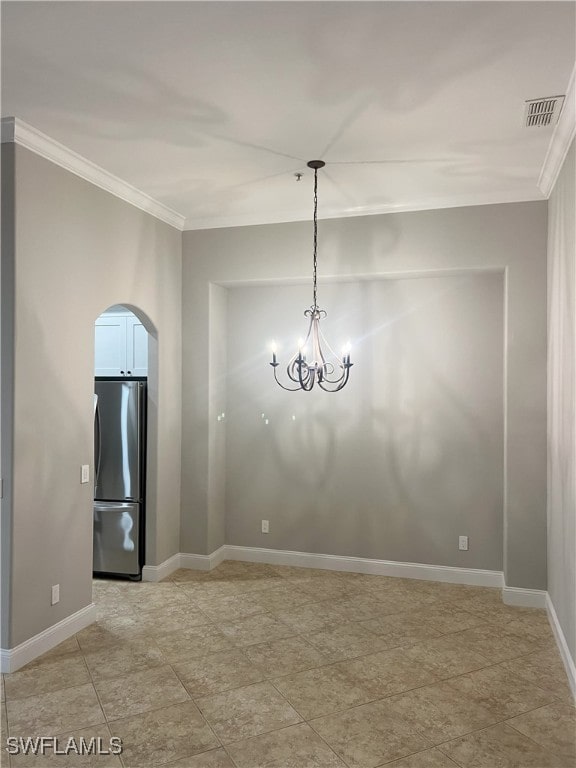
<point>346,353</point>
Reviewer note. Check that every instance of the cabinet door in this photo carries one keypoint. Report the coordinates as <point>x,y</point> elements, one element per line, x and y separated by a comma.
<point>110,346</point>
<point>136,347</point>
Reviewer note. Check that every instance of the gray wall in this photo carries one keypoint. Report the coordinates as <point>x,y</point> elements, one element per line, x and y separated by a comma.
<point>561,399</point>
<point>6,383</point>
<point>510,238</point>
<point>78,251</point>
<point>406,457</point>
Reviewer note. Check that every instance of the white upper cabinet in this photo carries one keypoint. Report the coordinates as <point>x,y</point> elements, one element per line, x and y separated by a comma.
<point>136,347</point>
<point>121,346</point>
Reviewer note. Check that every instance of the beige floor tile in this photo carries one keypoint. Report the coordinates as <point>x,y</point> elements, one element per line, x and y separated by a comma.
<point>496,642</point>
<point>68,646</point>
<point>338,627</point>
<point>213,588</point>
<point>242,567</point>
<point>192,643</point>
<point>322,691</point>
<point>449,617</point>
<point>93,738</point>
<point>552,726</point>
<point>247,711</point>
<point>358,608</point>
<point>170,618</point>
<point>215,758</point>
<point>331,588</point>
<point>423,587</point>
<point>189,574</point>
<point>163,735</point>
<point>124,658</point>
<point>229,608</point>
<point>295,747</point>
<point>283,657</point>
<point>387,672</point>
<point>345,642</point>
<point>545,669</point>
<point>105,632</point>
<point>107,609</point>
<point>441,712</point>
<point>500,692</point>
<point>310,617</point>
<point>391,601</point>
<point>440,657</point>
<point>500,747</point>
<point>282,598</point>
<point>262,628</point>
<point>57,712</point>
<point>45,675</point>
<point>140,692</point>
<point>497,612</point>
<point>367,580</point>
<point>388,586</point>
<point>370,735</point>
<point>241,583</point>
<point>152,596</point>
<point>398,629</point>
<point>430,758</point>
<point>295,574</point>
<point>217,672</point>
<point>536,626</point>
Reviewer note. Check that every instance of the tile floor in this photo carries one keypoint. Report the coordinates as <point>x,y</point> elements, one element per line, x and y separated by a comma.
<point>256,666</point>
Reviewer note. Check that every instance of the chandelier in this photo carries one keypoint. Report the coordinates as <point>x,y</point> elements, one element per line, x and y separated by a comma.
<point>315,362</point>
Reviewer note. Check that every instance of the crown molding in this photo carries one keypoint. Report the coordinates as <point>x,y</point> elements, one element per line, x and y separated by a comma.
<point>462,201</point>
<point>19,132</point>
<point>561,140</point>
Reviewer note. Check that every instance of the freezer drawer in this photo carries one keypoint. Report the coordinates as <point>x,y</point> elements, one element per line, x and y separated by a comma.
<point>116,538</point>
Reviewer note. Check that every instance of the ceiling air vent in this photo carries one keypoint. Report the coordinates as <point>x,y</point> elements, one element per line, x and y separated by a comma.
<point>543,112</point>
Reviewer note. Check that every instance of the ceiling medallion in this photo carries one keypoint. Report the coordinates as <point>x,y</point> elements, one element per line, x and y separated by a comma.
<point>315,362</point>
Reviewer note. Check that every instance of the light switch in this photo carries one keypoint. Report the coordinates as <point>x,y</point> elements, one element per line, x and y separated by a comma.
<point>85,473</point>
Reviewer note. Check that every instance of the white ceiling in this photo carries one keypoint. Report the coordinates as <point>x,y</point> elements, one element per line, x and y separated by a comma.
<point>211,107</point>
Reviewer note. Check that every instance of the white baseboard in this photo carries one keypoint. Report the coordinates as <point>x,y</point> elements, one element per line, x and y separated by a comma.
<point>12,659</point>
<point>203,562</point>
<point>159,572</point>
<point>527,598</point>
<point>218,556</point>
<point>443,573</point>
<point>565,654</point>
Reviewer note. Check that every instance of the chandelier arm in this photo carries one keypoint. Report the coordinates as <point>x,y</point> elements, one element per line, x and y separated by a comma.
<point>342,382</point>
<point>288,389</point>
<point>308,382</point>
<point>334,354</point>
<point>294,371</point>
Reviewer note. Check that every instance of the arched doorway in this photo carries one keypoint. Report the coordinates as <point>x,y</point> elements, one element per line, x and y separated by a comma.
<point>125,380</point>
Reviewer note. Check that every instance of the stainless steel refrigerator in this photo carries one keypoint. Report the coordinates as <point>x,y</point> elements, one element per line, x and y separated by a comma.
<point>119,477</point>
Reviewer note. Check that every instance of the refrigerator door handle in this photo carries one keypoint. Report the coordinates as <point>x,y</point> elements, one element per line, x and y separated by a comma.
<point>98,447</point>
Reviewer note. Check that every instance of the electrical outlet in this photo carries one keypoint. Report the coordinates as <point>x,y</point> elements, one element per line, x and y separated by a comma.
<point>463,543</point>
<point>85,473</point>
<point>55,594</point>
<point>265,526</point>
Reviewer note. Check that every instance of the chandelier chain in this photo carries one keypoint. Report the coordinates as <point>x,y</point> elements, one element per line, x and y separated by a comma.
<point>315,270</point>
